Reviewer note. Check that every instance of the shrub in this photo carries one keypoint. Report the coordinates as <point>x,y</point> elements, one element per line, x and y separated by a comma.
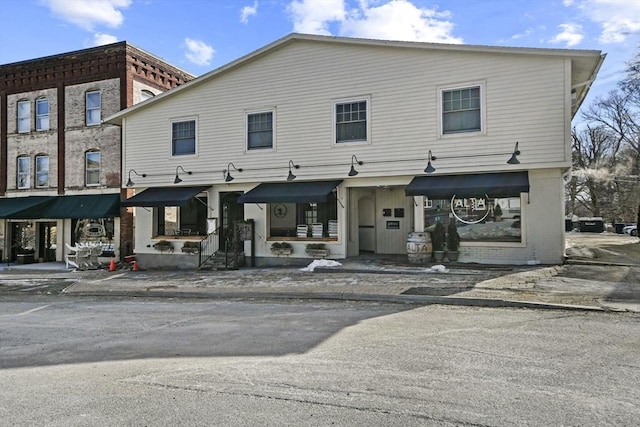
<point>438,237</point>
<point>453,238</point>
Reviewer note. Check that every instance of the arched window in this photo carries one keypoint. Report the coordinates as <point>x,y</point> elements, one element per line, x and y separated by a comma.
<point>92,168</point>
<point>42,171</point>
<point>23,172</point>
<point>146,94</point>
<point>42,114</point>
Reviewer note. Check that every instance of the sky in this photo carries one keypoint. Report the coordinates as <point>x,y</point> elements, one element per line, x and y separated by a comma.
<point>198,36</point>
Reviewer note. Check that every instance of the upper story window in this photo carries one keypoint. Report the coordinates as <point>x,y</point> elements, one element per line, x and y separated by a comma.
<point>461,110</point>
<point>42,171</point>
<point>93,107</point>
<point>92,168</point>
<point>24,116</point>
<point>352,122</point>
<point>183,138</point>
<point>146,94</point>
<point>42,114</point>
<point>260,130</point>
<point>24,172</point>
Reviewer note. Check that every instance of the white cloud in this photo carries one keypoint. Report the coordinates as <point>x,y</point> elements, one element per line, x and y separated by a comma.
<point>392,19</point>
<point>571,34</point>
<point>87,14</point>
<point>100,39</point>
<point>400,20</point>
<point>198,52</point>
<point>248,11</point>
<point>618,19</point>
<point>314,16</point>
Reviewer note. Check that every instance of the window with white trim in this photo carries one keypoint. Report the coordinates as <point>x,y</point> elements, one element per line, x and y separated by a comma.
<point>461,110</point>
<point>93,108</point>
<point>24,116</point>
<point>260,130</point>
<point>351,120</point>
<point>92,168</point>
<point>42,114</point>
<point>187,220</point>
<point>183,138</point>
<point>42,171</point>
<point>23,172</point>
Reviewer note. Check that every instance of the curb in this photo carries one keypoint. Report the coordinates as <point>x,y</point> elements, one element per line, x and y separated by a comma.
<point>394,299</point>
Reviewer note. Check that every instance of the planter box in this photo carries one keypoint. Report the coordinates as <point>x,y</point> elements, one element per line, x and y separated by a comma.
<point>190,251</point>
<point>281,251</point>
<point>318,253</point>
<point>25,258</point>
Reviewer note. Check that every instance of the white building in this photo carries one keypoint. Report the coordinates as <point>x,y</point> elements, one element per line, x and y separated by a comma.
<point>493,123</point>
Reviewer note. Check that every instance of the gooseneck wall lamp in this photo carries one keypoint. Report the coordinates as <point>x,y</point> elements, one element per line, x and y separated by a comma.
<point>178,180</point>
<point>129,182</point>
<point>513,160</point>
<point>291,176</point>
<point>227,172</point>
<point>430,168</point>
<point>354,160</point>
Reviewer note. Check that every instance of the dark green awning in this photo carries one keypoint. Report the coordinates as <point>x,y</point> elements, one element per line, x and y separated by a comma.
<point>23,207</point>
<point>83,206</point>
<point>507,184</point>
<point>290,192</point>
<point>164,196</point>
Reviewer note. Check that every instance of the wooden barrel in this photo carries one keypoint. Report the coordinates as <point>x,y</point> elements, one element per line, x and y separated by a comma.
<point>419,247</point>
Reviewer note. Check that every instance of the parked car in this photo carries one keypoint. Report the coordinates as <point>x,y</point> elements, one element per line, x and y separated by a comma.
<point>631,230</point>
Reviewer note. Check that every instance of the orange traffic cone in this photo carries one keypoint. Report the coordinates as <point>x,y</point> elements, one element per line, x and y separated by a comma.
<point>112,265</point>
<point>135,265</point>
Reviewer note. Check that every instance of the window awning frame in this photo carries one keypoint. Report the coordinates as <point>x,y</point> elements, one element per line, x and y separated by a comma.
<point>495,185</point>
<point>156,197</point>
<point>290,192</point>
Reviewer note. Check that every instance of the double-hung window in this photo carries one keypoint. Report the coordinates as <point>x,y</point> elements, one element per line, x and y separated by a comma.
<point>352,122</point>
<point>461,110</point>
<point>42,114</point>
<point>260,130</point>
<point>183,138</point>
<point>42,171</point>
<point>24,172</point>
<point>92,168</point>
<point>24,116</point>
<point>93,108</point>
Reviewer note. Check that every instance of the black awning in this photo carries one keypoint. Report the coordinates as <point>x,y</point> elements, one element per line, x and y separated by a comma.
<point>507,184</point>
<point>83,206</point>
<point>164,196</point>
<point>290,192</point>
<point>23,207</point>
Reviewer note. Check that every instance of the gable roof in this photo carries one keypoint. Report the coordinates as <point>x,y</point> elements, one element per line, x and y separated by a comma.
<point>585,63</point>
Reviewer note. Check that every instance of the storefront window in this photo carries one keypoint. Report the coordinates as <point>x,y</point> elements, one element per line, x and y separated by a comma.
<point>302,220</point>
<point>187,220</point>
<point>480,219</point>
<point>92,230</point>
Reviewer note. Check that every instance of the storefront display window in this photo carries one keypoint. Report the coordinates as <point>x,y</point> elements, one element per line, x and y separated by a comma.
<point>302,220</point>
<point>479,219</point>
<point>187,220</point>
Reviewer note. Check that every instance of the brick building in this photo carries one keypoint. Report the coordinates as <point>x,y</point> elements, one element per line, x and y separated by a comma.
<point>60,166</point>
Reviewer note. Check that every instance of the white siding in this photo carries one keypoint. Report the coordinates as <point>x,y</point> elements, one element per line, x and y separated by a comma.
<point>524,102</point>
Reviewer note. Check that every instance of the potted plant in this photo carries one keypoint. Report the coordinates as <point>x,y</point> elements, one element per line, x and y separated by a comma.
<point>25,255</point>
<point>163,246</point>
<point>497,213</point>
<point>191,247</point>
<point>317,250</point>
<point>281,248</point>
<point>453,241</point>
<point>438,241</point>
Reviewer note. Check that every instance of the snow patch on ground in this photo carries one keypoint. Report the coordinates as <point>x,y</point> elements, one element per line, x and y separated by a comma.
<point>321,263</point>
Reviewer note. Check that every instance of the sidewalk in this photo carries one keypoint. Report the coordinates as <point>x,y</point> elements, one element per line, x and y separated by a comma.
<point>583,283</point>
